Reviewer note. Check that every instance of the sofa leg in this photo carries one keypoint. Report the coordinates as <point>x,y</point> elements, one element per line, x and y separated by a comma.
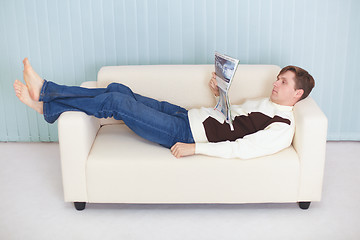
<point>304,205</point>
<point>80,205</point>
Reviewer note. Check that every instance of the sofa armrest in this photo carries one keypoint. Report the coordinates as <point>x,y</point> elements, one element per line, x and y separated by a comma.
<point>77,132</point>
<point>310,144</point>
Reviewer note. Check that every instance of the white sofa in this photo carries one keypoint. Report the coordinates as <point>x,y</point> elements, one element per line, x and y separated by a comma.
<point>103,161</point>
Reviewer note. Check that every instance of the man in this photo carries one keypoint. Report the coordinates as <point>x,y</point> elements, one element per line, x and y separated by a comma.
<point>261,127</point>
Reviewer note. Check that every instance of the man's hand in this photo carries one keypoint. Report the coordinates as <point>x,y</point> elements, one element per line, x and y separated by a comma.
<point>183,149</point>
<point>213,85</point>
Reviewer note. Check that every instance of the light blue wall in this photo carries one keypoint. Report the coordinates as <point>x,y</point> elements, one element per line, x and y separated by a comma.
<point>69,40</point>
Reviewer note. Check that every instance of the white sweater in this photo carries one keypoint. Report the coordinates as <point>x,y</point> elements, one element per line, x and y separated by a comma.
<point>261,128</point>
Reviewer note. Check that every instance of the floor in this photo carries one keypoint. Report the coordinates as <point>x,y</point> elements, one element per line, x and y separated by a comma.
<point>32,206</point>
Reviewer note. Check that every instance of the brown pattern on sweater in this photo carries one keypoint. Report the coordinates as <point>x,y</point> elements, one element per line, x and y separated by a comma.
<point>243,125</point>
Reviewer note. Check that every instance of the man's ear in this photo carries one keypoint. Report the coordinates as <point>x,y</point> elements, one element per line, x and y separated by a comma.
<point>299,93</point>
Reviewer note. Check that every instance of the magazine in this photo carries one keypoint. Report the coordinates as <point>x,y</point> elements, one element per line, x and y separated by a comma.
<point>225,68</point>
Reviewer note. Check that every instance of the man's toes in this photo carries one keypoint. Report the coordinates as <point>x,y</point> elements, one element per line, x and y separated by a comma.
<point>21,84</point>
<point>18,94</point>
<point>16,84</point>
<point>17,89</point>
<point>27,65</point>
<point>26,61</point>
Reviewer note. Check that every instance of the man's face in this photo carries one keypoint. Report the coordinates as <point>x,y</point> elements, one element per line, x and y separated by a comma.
<point>284,92</point>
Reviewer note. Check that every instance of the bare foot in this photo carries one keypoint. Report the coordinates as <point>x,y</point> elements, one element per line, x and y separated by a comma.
<point>33,81</point>
<point>23,94</point>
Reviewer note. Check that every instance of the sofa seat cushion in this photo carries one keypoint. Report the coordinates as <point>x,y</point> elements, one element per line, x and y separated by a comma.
<point>124,168</point>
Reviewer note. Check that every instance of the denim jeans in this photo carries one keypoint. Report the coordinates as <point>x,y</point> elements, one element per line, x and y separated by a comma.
<point>159,122</point>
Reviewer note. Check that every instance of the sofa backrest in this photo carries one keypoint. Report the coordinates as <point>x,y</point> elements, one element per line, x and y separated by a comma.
<point>187,85</point>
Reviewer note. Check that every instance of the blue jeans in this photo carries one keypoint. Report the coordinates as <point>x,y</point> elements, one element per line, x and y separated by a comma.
<point>159,122</point>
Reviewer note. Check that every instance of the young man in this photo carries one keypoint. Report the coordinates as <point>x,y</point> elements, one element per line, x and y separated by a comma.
<point>261,127</point>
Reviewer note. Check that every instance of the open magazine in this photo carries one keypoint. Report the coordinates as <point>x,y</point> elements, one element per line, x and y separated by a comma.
<point>225,68</point>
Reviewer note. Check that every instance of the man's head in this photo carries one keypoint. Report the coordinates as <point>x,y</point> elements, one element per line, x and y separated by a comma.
<point>292,85</point>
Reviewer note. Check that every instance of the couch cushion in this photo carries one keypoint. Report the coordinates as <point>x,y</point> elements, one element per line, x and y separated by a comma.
<point>124,168</point>
<point>187,85</point>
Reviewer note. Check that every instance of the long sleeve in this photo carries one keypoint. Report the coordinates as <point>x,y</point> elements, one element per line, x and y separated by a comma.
<point>274,138</point>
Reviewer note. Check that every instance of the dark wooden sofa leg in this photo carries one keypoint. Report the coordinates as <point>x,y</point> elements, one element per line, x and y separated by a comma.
<point>80,205</point>
<point>304,205</point>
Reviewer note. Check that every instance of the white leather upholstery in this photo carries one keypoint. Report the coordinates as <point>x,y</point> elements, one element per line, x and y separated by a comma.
<point>146,173</point>
<point>310,143</point>
<point>77,132</point>
<point>187,85</point>
<point>103,161</point>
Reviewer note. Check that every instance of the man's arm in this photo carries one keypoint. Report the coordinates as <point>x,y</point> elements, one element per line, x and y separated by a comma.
<point>186,149</point>
<point>275,138</point>
<point>265,142</point>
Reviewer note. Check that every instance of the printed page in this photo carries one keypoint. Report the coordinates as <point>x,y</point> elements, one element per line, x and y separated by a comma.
<point>225,68</point>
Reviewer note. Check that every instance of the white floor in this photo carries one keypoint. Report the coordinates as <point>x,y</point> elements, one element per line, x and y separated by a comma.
<point>32,206</point>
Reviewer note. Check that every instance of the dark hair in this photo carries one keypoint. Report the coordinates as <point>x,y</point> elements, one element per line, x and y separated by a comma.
<point>303,80</point>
